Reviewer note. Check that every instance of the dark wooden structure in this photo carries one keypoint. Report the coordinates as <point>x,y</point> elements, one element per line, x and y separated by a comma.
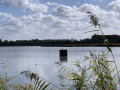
<point>63,52</point>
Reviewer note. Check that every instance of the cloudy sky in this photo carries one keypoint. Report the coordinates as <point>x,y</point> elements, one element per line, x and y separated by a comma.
<point>56,19</point>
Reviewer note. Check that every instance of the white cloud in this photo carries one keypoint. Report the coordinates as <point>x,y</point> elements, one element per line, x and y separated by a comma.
<point>89,7</point>
<point>11,25</point>
<point>63,22</point>
<point>95,0</point>
<point>59,24</point>
<point>5,15</point>
<point>79,13</point>
<point>31,26</point>
<point>114,5</point>
<point>39,17</point>
<point>64,11</point>
<point>14,2</point>
<point>36,7</point>
<point>94,9</point>
<point>27,4</point>
<point>52,3</point>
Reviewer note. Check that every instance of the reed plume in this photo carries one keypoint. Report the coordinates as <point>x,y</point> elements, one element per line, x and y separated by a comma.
<point>30,75</point>
<point>93,19</point>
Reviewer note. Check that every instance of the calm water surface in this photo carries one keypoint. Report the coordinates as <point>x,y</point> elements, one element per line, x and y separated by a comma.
<point>41,60</point>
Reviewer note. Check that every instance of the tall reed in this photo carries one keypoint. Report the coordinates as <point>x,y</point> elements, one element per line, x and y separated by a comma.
<point>94,21</point>
<point>98,75</point>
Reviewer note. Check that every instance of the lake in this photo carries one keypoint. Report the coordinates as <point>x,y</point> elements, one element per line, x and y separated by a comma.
<point>41,60</point>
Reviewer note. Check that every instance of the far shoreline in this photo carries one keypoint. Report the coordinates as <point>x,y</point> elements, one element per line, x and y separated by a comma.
<point>67,45</point>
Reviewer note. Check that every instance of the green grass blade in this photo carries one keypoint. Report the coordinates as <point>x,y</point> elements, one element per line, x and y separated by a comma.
<point>113,69</point>
<point>38,84</point>
<point>45,87</point>
<point>41,85</point>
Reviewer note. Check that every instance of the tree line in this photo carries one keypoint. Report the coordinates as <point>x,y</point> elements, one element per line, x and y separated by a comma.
<point>97,40</point>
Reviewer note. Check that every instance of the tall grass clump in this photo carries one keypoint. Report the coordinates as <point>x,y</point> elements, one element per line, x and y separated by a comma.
<point>100,73</point>
<point>35,82</point>
<point>4,79</point>
<point>94,21</point>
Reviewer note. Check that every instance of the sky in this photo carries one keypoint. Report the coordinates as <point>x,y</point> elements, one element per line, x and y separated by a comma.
<point>56,19</point>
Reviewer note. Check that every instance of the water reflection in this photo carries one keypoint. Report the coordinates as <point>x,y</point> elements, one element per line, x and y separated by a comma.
<point>41,60</point>
<point>63,59</point>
